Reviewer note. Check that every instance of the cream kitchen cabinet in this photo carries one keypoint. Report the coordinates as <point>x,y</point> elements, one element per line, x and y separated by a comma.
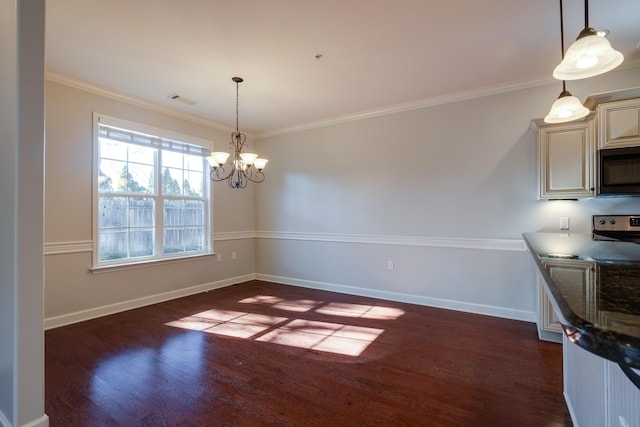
<point>619,124</point>
<point>578,272</point>
<point>566,160</point>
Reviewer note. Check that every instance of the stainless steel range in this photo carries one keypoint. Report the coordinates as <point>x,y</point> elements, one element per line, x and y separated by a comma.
<point>617,227</point>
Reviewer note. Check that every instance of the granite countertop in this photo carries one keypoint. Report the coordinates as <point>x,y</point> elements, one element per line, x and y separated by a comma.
<point>594,287</point>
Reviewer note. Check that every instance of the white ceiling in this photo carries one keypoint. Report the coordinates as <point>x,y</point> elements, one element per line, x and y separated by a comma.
<point>375,53</point>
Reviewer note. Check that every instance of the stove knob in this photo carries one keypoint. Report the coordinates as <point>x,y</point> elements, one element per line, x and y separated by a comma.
<point>602,222</point>
<point>612,221</point>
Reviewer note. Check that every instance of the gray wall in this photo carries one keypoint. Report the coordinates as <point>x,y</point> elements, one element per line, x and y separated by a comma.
<point>444,192</point>
<point>21,212</point>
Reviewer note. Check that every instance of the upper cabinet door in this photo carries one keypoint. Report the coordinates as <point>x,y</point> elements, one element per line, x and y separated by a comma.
<point>619,124</point>
<point>566,160</point>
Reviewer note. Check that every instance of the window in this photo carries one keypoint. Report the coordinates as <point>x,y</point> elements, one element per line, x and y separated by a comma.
<point>152,194</point>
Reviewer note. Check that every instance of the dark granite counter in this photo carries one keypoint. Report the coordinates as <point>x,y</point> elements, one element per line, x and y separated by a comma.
<point>594,287</point>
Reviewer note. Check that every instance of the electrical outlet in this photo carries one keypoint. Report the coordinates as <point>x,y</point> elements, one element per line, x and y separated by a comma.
<point>390,265</point>
<point>564,223</point>
<point>219,257</point>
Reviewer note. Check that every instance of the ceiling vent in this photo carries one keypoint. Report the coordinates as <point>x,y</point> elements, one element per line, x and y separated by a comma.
<point>182,99</point>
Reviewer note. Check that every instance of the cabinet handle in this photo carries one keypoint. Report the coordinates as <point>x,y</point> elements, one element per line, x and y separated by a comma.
<point>633,377</point>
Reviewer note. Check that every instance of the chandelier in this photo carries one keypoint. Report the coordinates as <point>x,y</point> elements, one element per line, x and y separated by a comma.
<point>242,167</point>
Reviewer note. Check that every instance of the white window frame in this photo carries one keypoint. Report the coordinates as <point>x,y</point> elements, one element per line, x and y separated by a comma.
<point>101,119</point>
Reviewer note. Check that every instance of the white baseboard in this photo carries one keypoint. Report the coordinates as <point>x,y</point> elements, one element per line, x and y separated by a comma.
<point>92,313</point>
<point>43,421</point>
<point>507,313</point>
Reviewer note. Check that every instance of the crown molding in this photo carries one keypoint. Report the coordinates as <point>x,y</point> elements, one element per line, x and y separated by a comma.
<point>76,83</point>
<point>424,103</point>
<point>408,106</point>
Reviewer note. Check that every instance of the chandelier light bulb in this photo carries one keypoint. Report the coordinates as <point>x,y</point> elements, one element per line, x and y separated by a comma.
<point>260,163</point>
<point>248,158</point>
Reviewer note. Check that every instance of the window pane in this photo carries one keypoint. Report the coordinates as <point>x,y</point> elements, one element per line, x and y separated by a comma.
<point>112,212</point>
<point>193,183</point>
<point>109,174</point>
<point>139,178</point>
<point>173,240</point>
<point>141,242</point>
<point>193,163</point>
<point>171,159</point>
<point>142,212</point>
<point>144,155</point>
<point>112,244</point>
<point>172,181</point>
<point>110,149</point>
<point>173,213</point>
<point>194,239</point>
<point>194,212</point>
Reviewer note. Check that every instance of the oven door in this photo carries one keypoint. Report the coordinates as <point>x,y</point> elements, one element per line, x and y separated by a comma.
<point>619,171</point>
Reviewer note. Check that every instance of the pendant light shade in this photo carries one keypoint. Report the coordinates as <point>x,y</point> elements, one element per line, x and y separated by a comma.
<point>566,108</point>
<point>590,55</point>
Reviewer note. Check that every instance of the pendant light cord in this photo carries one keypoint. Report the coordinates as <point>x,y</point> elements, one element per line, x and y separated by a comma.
<point>564,84</point>
<point>586,13</point>
<point>561,32</point>
<point>237,128</point>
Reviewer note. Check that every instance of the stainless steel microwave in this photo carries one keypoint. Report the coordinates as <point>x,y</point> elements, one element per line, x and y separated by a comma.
<point>619,171</point>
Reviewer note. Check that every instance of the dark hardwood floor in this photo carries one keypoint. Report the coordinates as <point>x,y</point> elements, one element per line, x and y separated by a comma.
<point>264,354</point>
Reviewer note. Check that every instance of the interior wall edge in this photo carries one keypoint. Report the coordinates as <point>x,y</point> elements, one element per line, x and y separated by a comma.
<point>488,310</point>
<point>105,310</point>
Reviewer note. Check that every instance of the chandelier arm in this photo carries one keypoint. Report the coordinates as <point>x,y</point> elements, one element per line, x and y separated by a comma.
<point>237,179</point>
<point>219,174</point>
<point>258,177</point>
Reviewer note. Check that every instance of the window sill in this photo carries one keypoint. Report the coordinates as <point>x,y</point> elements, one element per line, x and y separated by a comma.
<point>149,263</point>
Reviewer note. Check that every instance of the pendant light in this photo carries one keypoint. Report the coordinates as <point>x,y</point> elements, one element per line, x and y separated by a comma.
<point>590,55</point>
<point>567,107</point>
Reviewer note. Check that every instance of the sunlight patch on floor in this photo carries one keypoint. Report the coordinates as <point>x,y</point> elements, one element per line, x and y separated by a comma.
<point>361,311</point>
<point>330,337</point>
<point>301,305</point>
<point>338,338</point>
